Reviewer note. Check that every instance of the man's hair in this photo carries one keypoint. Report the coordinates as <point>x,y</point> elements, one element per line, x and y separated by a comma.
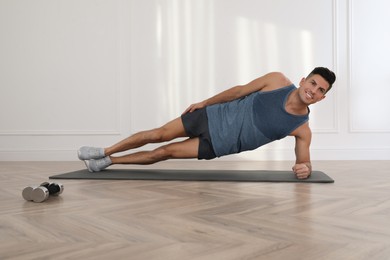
<point>326,73</point>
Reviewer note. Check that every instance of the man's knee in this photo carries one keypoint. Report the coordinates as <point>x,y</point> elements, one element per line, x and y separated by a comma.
<point>156,135</point>
<point>162,153</point>
<point>179,150</point>
<point>164,134</point>
<point>172,130</point>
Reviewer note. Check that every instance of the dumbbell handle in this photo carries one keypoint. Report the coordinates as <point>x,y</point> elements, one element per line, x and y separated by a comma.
<point>55,189</point>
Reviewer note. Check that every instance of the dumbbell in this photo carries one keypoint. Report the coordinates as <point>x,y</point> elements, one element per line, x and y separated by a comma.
<point>42,192</point>
<point>54,189</point>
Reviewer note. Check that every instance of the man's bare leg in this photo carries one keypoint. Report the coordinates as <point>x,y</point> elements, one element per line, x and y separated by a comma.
<point>167,132</point>
<point>181,150</point>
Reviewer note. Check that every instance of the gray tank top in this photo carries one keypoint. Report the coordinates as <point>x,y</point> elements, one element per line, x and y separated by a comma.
<point>251,121</point>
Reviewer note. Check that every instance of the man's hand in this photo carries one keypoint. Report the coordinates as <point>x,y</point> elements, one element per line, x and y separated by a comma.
<point>301,170</point>
<point>194,107</point>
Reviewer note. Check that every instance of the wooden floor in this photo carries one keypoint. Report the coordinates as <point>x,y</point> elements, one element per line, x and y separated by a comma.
<point>96,219</point>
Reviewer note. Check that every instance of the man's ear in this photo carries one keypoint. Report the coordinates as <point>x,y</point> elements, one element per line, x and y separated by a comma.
<point>302,80</point>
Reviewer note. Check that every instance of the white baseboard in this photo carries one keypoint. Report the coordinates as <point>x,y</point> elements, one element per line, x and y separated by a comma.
<point>258,155</point>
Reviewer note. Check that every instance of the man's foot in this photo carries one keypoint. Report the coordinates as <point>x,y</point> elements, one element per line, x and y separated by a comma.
<point>98,165</point>
<point>88,153</point>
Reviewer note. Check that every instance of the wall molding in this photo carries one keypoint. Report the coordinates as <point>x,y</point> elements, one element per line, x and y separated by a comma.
<point>265,154</point>
<point>116,87</point>
<point>60,133</point>
<point>335,129</point>
<point>352,129</point>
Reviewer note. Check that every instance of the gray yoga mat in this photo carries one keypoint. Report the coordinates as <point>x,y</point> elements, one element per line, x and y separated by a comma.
<point>195,175</point>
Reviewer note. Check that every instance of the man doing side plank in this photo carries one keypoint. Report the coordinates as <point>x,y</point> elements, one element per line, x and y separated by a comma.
<point>239,119</point>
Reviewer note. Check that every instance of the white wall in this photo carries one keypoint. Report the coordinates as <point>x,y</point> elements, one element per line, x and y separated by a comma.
<point>94,71</point>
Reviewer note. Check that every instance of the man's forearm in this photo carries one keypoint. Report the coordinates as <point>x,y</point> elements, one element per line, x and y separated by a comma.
<point>244,90</point>
<point>225,96</point>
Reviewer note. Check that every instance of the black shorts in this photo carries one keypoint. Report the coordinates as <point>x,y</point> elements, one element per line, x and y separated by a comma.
<point>196,125</point>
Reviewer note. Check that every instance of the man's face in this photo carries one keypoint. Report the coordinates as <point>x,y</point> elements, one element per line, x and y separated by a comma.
<point>313,89</point>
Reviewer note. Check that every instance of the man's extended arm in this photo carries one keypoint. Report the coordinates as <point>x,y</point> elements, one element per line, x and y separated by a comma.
<point>302,167</point>
<point>271,79</point>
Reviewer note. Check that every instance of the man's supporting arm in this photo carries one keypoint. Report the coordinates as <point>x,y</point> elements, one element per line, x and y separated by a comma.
<point>302,167</point>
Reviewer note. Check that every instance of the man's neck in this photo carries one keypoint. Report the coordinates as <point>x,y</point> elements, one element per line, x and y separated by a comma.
<point>294,104</point>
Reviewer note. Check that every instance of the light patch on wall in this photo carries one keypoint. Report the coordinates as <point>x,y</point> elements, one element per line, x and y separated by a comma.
<point>254,38</point>
<point>307,50</point>
<point>159,30</point>
<point>185,39</point>
<point>271,46</point>
<point>244,48</point>
<point>174,62</point>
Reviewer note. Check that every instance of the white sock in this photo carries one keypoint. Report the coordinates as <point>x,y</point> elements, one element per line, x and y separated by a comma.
<point>88,153</point>
<point>98,165</point>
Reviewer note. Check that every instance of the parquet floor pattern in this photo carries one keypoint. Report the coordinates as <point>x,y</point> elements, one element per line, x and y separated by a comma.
<point>98,219</point>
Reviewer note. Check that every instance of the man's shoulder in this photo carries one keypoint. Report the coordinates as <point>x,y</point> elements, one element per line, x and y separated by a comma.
<point>276,80</point>
<point>302,131</point>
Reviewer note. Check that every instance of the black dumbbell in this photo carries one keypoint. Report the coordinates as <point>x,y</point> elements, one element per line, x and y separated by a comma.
<point>42,192</point>
<point>54,189</point>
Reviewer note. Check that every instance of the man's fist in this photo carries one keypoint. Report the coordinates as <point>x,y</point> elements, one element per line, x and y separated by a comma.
<point>301,170</point>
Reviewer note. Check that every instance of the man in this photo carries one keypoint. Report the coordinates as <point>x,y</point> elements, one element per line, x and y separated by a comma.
<point>241,118</point>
